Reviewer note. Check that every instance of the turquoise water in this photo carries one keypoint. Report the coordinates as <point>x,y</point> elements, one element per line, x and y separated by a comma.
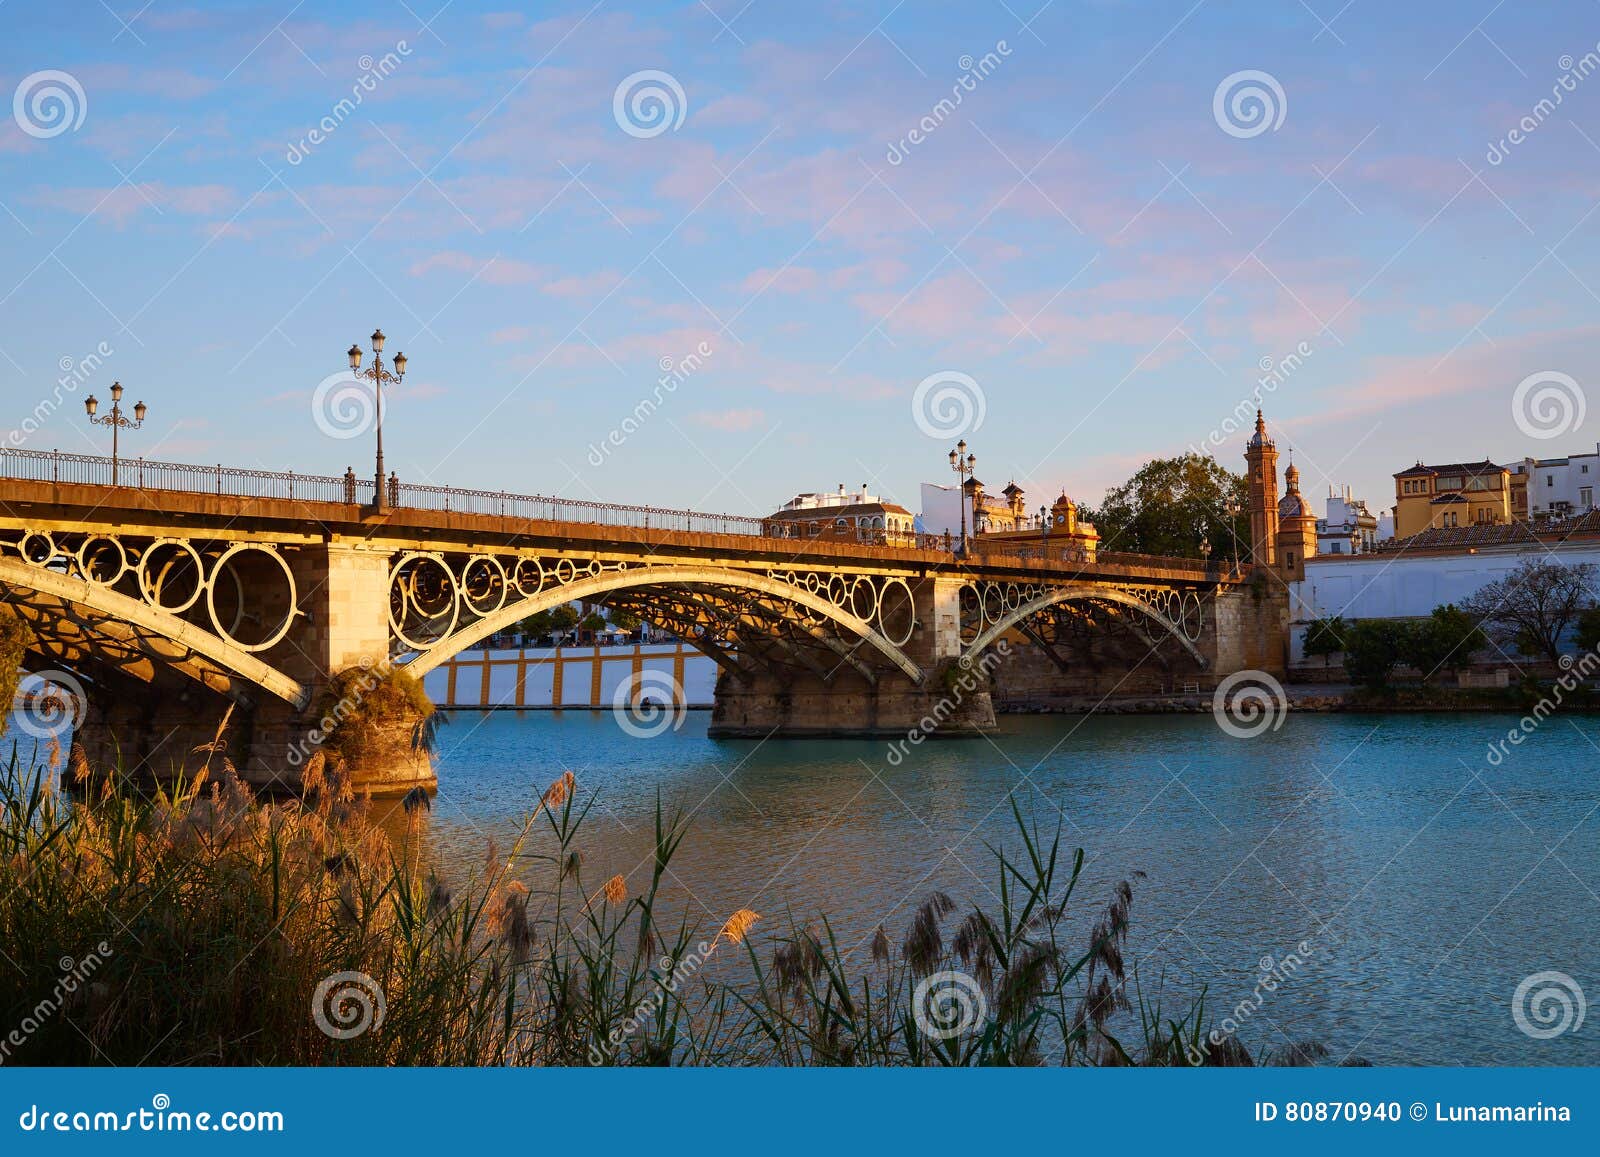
<point>1424,881</point>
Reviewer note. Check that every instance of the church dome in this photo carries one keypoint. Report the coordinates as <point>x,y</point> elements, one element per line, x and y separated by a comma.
<point>1291,505</point>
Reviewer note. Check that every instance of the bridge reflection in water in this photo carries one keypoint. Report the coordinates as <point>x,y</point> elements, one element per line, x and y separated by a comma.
<point>172,590</point>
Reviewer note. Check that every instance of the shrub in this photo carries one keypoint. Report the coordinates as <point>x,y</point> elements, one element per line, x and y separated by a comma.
<point>1372,651</point>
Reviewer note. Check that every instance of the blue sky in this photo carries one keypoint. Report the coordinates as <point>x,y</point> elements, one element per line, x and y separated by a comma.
<point>1082,237</point>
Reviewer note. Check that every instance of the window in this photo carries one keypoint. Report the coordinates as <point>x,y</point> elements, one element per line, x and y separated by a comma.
<point>1586,497</point>
<point>1584,469</point>
<point>1338,548</point>
<point>1549,480</point>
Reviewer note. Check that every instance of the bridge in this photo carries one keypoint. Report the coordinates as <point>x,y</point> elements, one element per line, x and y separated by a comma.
<point>173,591</point>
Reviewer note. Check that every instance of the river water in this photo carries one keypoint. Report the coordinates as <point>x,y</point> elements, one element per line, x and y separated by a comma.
<point>1416,881</point>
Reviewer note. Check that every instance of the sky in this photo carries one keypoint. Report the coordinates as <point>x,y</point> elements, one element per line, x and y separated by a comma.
<point>1073,233</point>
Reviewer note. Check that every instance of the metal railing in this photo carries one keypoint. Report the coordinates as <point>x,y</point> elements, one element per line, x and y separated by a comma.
<point>91,470</point>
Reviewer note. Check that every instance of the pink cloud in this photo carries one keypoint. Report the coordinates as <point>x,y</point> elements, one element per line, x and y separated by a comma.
<point>729,421</point>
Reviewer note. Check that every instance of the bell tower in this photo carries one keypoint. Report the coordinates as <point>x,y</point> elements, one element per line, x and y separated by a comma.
<point>1297,529</point>
<point>1261,474</point>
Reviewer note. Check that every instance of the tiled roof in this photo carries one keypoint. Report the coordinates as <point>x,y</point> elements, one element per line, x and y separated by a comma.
<point>1498,534</point>
<point>1484,467</point>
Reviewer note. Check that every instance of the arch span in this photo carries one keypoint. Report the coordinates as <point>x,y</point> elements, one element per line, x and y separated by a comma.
<point>1080,592</point>
<point>633,578</point>
<point>19,575</point>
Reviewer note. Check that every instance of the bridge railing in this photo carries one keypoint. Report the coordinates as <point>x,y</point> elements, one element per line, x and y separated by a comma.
<point>507,505</point>
<point>145,474</point>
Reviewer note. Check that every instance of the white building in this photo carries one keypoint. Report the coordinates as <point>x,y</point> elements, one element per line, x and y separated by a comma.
<point>1408,582</point>
<point>942,510</point>
<point>1349,528</point>
<point>1559,487</point>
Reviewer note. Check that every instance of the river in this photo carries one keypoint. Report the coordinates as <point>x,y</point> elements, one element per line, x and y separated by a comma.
<point>1415,882</point>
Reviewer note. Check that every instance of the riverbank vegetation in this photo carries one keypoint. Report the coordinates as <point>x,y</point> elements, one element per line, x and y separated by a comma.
<point>199,925</point>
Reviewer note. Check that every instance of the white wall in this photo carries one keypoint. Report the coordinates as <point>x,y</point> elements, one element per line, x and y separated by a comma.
<point>941,509</point>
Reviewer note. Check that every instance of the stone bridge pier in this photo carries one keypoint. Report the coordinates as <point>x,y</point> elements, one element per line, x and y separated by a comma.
<point>933,694</point>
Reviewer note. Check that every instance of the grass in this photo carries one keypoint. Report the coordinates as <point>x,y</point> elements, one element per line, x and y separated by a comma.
<point>199,925</point>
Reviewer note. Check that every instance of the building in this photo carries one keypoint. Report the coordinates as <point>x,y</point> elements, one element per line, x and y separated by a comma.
<point>1349,527</point>
<point>1546,488</point>
<point>1057,533</point>
<point>1261,476</point>
<point>1452,495</point>
<point>943,512</point>
<point>1297,528</point>
<point>847,516</point>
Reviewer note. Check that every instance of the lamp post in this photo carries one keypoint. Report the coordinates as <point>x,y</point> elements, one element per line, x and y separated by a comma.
<point>117,420</point>
<point>962,463</point>
<point>377,375</point>
<point>1232,508</point>
<point>1044,530</point>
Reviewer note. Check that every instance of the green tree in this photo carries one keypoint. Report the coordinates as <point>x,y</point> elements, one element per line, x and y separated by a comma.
<point>564,617</point>
<point>625,621</point>
<point>1172,505</point>
<point>1324,637</point>
<point>1372,651</point>
<point>1533,606</point>
<point>536,624</point>
<point>593,621</point>
<point>15,639</point>
<point>1445,640</point>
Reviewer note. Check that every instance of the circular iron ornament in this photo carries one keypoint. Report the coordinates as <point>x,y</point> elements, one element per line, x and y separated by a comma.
<point>894,598</point>
<point>1193,617</point>
<point>220,567</point>
<point>1013,597</point>
<point>93,564</point>
<point>838,590</point>
<point>566,570</point>
<point>402,588</point>
<point>151,587</point>
<point>994,603</point>
<point>863,600</point>
<point>37,547</point>
<point>528,577</point>
<point>483,584</point>
<point>595,568</point>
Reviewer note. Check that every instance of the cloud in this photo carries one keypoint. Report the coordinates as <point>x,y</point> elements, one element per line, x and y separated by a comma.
<point>729,421</point>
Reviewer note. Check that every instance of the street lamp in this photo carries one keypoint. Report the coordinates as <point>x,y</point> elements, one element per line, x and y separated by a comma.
<point>117,420</point>
<point>963,468</point>
<point>377,375</point>
<point>1044,529</point>
<point>1232,507</point>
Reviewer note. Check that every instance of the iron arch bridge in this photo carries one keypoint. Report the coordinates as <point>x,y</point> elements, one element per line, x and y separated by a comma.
<point>262,588</point>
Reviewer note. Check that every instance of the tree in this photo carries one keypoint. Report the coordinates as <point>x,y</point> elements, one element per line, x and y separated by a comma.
<point>1372,651</point>
<point>1324,637</point>
<point>1173,504</point>
<point>625,621</point>
<point>1445,640</point>
<point>1533,606</point>
<point>593,621</point>
<point>563,618</point>
<point>1589,629</point>
<point>536,624</point>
